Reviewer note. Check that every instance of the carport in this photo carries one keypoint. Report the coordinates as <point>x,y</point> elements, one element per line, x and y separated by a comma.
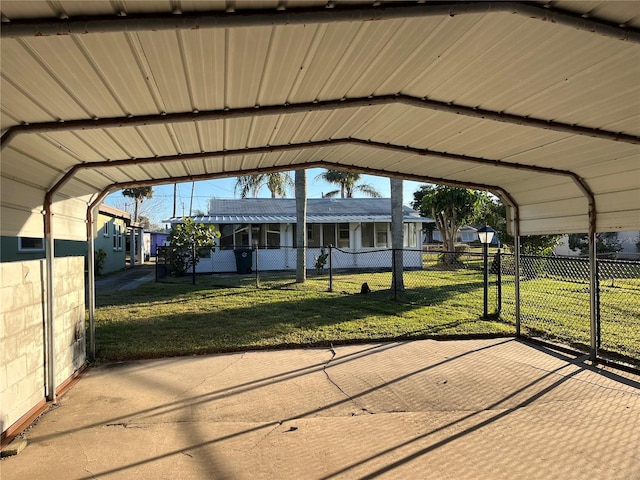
<point>535,102</point>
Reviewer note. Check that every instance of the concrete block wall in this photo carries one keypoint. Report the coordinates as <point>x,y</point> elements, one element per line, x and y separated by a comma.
<point>70,312</point>
<point>22,314</point>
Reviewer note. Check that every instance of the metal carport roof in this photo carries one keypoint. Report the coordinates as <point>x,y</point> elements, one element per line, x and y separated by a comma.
<point>537,102</point>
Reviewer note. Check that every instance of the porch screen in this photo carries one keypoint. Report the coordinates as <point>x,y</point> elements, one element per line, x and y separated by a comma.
<point>226,237</point>
<point>273,235</point>
<point>367,235</point>
<point>329,234</point>
<point>313,235</point>
<point>242,235</point>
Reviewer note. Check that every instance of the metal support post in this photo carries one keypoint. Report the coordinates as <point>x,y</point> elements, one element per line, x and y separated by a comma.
<point>485,255</point>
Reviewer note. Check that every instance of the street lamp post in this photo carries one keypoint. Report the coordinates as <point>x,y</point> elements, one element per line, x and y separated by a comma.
<point>485,235</point>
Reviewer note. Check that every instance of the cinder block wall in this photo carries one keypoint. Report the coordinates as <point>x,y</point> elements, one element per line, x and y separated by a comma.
<point>22,313</point>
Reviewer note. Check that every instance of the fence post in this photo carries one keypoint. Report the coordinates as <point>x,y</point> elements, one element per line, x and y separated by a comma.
<point>255,247</point>
<point>593,297</point>
<point>499,265</point>
<point>598,311</point>
<point>330,268</point>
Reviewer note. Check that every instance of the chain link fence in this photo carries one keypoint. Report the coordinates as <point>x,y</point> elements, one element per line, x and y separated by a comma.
<point>554,291</point>
<point>555,303</point>
<point>619,307</point>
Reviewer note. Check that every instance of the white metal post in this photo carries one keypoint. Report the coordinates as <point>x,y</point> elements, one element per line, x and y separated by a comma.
<point>50,350</point>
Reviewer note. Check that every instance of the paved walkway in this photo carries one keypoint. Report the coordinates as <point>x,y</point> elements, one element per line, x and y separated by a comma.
<point>477,409</point>
<point>127,279</point>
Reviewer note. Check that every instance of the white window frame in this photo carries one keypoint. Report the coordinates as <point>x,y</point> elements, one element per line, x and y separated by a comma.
<point>105,229</point>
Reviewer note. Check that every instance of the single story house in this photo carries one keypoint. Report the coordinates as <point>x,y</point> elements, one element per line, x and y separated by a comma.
<point>156,239</point>
<point>353,225</point>
<point>115,232</point>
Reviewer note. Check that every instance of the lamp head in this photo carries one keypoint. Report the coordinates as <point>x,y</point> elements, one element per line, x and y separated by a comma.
<point>485,234</point>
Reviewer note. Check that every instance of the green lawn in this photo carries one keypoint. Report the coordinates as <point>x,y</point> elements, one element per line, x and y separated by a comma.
<point>228,313</point>
<point>222,314</point>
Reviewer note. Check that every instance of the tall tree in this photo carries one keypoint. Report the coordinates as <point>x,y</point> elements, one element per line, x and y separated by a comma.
<point>607,244</point>
<point>139,194</point>
<point>491,211</point>
<point>397,234</point>
<point>450,207</point>
<point>301,229</point>
<point>348,183</point>
<point>277,182</point>
<point>187,241</point>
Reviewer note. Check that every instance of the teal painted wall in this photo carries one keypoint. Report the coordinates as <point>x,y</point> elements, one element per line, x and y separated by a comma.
<point>63,248</point>
<point>115,250</point>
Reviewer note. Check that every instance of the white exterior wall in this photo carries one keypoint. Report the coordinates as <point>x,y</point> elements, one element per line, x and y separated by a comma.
<point>224,261</point>
<point>21,331</point>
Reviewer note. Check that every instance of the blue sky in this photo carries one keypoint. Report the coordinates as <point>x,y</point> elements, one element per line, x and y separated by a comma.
<point>161,206</point>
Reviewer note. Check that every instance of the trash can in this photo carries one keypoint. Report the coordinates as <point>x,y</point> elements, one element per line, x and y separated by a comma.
<point>244,260</point>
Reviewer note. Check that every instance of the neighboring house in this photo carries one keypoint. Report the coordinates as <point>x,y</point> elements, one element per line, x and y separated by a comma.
<point>350,224</point>
<point>629,243</point>
<point>157,239</point>
<point>466,234</point>
<point>111,227</point>
<point>114,229</point>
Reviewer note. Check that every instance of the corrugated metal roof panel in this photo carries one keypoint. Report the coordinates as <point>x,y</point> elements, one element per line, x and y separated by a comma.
<point>500,61</point>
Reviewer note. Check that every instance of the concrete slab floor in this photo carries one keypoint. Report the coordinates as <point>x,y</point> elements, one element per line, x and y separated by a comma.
<point>476,409</point>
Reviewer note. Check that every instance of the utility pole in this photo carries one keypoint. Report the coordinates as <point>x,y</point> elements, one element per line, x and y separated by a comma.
<point>175,192</point>
<point>193,187</point>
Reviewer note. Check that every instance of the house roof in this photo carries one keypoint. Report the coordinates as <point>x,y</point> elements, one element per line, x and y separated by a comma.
<point>114,212</point>
<point>319,210</point>
<point>538,102</point>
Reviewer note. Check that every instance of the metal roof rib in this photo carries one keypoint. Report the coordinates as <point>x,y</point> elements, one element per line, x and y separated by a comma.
<point>534,101</point>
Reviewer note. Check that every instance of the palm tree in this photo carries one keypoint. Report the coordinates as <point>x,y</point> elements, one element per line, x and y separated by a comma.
<point>348,183</point>
<point>277,183</point>
<point>139,194</point>
<point>301,231</point>
<point>397,234</point>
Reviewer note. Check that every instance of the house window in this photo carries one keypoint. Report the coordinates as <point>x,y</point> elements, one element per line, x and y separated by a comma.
<point>115,236</point>
<point>30,244</point>
<point>367,235</point>
<point>105,229</point>
<point>343,235</point>
<point>381,235</point>
<point>313,235</point>
<point>468,236</point>
<point>329,234</point>
<point>409,235</point>
<point>120,235</point>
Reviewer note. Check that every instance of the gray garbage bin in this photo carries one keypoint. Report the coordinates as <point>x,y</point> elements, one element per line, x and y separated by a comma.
<point>244,260</point>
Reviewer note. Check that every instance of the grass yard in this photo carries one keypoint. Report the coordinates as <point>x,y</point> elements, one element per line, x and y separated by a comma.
<point>228,313</point>
<point>223,314</point>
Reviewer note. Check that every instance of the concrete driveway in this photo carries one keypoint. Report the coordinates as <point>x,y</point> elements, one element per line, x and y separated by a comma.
<point>127,279</point>
<point>478,409</point>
